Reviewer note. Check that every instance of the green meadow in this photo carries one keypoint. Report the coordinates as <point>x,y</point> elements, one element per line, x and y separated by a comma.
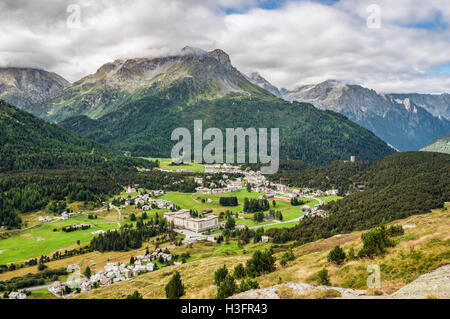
<point>164,163</point>
<point>42,240</point>
<point>281,225</point>
<point>194,201</point>
<point>328,199</point>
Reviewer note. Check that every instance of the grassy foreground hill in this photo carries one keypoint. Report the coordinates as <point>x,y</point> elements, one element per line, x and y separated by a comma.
<point>422,248</point>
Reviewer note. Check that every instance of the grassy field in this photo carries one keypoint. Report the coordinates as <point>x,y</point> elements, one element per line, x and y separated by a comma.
<point>42,294</point>
<point>164,163</point>
<point>420,250</point>
<point>281,225</point>
<point>43,240</point>
<point>194,201</point>
<point>328,199</point>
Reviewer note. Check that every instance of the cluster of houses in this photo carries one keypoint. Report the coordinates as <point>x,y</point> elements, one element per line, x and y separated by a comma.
<point>226,186</point>
<point>183,219</point>
<point>64,216</point>
<point>46,219</point>
<point>17,295</point>
<point>114,272</point>
<point>148,203</point>
<point>317,212</point>
<point>131,189</point>
<point>77,227</point>
<point>158,203</point>
<point>222,168</point>
<point>67,215</point>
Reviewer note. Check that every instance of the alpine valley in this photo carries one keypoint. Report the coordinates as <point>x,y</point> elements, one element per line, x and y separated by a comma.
<point>86,180</point>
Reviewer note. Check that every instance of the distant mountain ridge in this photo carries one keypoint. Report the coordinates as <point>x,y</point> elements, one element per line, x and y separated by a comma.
<point>204,75</point>
<point>257,79</point>
<point>437,104</point>
<point>135,104</point>
<point>23,87</point>
<point>401,123</point>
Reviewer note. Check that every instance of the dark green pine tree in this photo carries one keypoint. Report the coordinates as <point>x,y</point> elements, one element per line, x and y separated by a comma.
<point>227,288</point>
<point>175,288</point>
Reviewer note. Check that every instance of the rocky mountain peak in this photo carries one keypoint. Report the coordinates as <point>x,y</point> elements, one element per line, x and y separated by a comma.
<point>188,50</point>
<point>257,79</point>
<point>397,120</point>
<point>22,87</point>
<point>221,56</point>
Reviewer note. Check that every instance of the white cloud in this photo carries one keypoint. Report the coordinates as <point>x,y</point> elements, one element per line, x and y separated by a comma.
<point>299,43</point>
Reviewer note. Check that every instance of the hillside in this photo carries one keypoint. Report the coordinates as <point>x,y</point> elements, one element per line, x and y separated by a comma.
<point>31,143</point>
<point>397,186</point>
<point>40,162</point>
<point>144,127</point>
<point>423,248</point>
<point>441,145</point>
<point>396,119</point>
<point>23,87</point>
<point>338,175</point>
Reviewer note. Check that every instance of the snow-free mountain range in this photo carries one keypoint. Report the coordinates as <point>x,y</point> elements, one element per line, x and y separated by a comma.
<point>146,93</point>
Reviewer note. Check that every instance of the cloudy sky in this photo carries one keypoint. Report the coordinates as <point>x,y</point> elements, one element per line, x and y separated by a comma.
<point>390,46</point>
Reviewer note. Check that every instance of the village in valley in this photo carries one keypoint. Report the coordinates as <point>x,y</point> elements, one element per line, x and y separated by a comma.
<point>194,217</point>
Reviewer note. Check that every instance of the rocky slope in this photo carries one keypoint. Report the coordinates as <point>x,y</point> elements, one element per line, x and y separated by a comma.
<point>436,104</point>
<point>22,87</point>
<point>257,79</point>
<point>298,289</point>
<point>435,284</point>
<point>400,122</point>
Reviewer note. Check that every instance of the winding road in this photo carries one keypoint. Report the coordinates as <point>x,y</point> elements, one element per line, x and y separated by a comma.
<point>118,212</point>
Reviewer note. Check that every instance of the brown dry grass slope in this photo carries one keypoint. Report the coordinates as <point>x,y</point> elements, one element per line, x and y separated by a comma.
<point>423,247</point>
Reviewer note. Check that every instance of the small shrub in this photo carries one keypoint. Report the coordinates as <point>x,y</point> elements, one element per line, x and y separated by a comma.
<point>220,275</point>
<point>135,295</point>
<point>336,255</point>
<point>239,271</point>
<point>375,242</point>
<point>248,284</point>
<point>287,256</point>
<point>322,277</point>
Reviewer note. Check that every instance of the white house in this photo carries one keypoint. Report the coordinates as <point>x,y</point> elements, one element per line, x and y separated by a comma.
<point>17,295</point>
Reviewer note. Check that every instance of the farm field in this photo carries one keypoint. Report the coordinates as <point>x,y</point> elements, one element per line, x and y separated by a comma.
<point>164,163</point>
<point>43,293</point>
<point>281,225</point>
<point>328,199</point>
<point>194,201</point>
<point>42,240</point>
